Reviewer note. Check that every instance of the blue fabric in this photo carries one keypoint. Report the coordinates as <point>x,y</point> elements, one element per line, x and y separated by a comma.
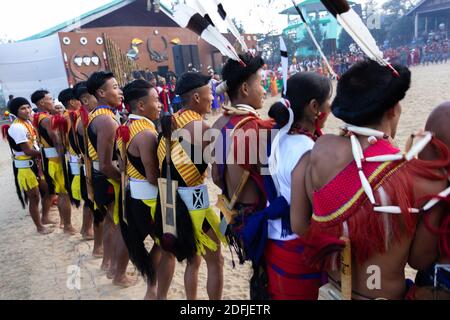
<point>255,231</point>
<point>303,276</point>
<point>105,107</point>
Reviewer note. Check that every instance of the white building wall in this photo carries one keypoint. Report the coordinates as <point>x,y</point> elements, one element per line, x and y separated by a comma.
<point>31,65</point>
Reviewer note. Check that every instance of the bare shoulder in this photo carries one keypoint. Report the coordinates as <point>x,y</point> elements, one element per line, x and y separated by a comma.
<point>104,120</point>
<point>331,153</point>
<point>147,137</point>
<point>330,145</point>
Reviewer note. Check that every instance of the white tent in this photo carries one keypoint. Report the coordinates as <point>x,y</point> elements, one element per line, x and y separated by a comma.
<point>31,65</point>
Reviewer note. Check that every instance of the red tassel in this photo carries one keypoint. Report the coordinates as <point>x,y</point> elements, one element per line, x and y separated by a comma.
<point>36,119</point>
<point>123,132</point>
<point>84,114</point>
<point>60,123</point>
<point>5,128</point>
<point>73,116</point>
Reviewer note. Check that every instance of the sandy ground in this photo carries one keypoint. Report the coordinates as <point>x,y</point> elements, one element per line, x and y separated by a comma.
<point>33,266</point>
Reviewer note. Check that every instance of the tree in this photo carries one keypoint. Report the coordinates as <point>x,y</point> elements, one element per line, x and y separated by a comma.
<point>270,44</point>
<point>239,25</point>
<point>398,27</point>
<point>344,41</point>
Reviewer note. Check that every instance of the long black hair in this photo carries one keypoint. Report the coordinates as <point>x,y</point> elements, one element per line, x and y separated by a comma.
<point>301,89</point>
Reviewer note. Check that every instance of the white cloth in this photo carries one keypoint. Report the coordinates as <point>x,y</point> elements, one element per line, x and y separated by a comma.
<point>291,148</point>
<point>142,189</point>
<point>19,134</point>
<point>136,117</point>
<point>246,107</point>
<point>195,198</point>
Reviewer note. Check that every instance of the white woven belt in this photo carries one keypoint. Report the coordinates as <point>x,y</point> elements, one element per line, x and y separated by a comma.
<point>51,153</point>
<point>22,164</point>
<point>96,164</point>
<point>73,158</point>
<point>195,198</point>
<point>74,168</point>
<point>142,189</point>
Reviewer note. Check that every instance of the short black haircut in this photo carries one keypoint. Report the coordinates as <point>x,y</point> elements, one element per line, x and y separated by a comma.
<point>97,80</point>
<point>10,97</point>
<point>367,90</point>
<point>65,96</point>
<point>235,74</point>
<point>135,91</point>
<point>301,89</point>
<point>38,95</point>
<point>80,89</point>
<point>186,97</point>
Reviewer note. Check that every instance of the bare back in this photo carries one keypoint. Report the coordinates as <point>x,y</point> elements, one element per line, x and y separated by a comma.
<point>390,264</point>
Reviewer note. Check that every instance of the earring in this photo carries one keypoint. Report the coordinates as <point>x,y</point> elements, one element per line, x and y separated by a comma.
<point>317,115</point>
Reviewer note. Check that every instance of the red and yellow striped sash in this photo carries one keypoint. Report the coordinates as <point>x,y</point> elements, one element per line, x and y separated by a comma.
<point>44,143</point>
<point>92,153</point>
<point>135,127</point>
<point>180,159</point>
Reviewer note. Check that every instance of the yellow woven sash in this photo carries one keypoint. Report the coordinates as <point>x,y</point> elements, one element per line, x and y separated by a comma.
<point>180,159</point>
<point>71,130</point>
<point>43,143</point>
<point>92,153</point>
<point>135,127</point>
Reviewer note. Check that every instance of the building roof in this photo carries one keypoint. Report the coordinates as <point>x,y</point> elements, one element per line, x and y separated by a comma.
<point>309,5</point>
<point>300,24</point>
<point>88,18</point>
<point>426,6</point>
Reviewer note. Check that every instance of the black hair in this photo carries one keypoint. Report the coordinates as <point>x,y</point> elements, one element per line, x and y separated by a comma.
<point>235,74</point>
<point>79,89</point>
<point>367,90</point>
<point>97,80</point>
<point>134,91</point>
<point>10,97</point>
<point>301,89</point>
<point>15,104</point>
<point>66,95</point>
<point>38,95</point>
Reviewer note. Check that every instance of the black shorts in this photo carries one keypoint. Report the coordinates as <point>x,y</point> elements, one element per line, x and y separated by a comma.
<point>103,190</point>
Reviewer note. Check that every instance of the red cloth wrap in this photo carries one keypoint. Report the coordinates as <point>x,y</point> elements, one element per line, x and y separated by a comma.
<point>366,227</point>
<point>289,275</point>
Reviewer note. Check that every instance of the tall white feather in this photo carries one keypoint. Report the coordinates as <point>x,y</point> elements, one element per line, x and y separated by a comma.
<point>359,32</point>
<point>284,65</point>
<point>183,14</point>
<point>234,30</point>
<point>318,47</point>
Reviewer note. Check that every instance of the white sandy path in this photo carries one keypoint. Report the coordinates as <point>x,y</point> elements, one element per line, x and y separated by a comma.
<point>33,266</point>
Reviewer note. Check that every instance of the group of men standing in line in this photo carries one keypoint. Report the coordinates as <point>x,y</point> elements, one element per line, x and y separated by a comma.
<point>286,211</point>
